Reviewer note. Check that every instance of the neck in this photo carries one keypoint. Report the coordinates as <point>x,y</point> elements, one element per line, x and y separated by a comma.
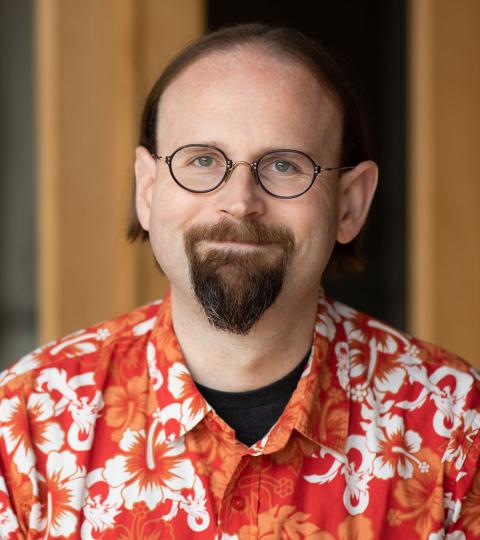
<point>233,363</point>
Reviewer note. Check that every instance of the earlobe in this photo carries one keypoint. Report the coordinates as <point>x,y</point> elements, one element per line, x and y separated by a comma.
<point>145,172</point>
<point>356,191</point>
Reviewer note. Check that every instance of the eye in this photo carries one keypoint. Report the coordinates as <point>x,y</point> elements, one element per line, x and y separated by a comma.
<point>203,161</point>
<point>282,166</point>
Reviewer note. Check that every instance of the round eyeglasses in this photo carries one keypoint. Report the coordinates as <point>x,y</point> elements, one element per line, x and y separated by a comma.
<point>285,174</point>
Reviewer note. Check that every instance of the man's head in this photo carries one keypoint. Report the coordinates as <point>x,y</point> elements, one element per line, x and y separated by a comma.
<point>248,91</point>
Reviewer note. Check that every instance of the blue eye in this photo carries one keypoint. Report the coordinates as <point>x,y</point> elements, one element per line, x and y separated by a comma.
<point>282,166</point>
<point>204,161</point>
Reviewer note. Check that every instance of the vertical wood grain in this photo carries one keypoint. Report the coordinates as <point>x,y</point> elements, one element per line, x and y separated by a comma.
<point>445,174</point>
<point>95,64</point>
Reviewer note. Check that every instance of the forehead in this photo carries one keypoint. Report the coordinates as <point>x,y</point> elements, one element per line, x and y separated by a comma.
<point>247,98</point>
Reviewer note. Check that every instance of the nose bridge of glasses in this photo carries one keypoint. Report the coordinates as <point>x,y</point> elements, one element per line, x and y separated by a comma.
<point>232,165</point>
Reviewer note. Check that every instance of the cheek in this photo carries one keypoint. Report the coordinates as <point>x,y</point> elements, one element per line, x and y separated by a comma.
<point>166,230</point>
<point>172,212</point>
<point>316,236</point>
<point>319,215</point>
<point>315,228</point>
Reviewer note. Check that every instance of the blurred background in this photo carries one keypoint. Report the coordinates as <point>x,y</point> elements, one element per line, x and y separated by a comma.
<point>73,78</point>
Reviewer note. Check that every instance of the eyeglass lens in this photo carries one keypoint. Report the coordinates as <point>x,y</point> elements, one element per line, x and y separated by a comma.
<point>283,173</point>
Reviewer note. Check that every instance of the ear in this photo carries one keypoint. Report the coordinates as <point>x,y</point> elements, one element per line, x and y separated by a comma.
<point>145,172</point>
<point>356,190</point>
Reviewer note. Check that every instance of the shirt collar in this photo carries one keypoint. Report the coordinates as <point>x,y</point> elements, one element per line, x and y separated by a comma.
<point>323,391</point>
<point>175,389</point>
<point>318,408</point>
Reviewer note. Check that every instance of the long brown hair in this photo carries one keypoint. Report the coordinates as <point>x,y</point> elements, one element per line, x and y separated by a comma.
<point>287,43</point>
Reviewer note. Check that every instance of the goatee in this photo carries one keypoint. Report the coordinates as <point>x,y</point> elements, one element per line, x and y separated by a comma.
<point>235,285</point>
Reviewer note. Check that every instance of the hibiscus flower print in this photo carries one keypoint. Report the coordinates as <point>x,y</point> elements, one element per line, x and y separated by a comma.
<point>126,406</point>
<point>281,522</point>
<point>24,365</point>
<point>8,520</point>
<point>470,514</point>
<point>21,427</point>
<point>387,353</point>
<point>63,489</point>
<point>420,499</point>
<point>101,507</point>
<point>149,469</point>
<point>394,448</point>
<point>183,389</point>
<point>356,528</point>
<point>462,438</point>
<point>352,528</point>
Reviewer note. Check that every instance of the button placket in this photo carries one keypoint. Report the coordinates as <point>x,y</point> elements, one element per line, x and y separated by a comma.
<point>232,501</point>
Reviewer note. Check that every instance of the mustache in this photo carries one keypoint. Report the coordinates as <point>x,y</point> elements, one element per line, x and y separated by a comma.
<point>250,232</point>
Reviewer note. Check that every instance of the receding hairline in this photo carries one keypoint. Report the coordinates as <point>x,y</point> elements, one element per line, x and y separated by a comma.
<point>266,50</point>
<point>260,48</point>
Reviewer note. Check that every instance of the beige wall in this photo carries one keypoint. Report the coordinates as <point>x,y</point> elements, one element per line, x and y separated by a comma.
<point>445,174</point>
<point>95,64</point>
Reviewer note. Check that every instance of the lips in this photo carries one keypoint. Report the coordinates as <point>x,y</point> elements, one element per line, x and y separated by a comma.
<point>235,244</point>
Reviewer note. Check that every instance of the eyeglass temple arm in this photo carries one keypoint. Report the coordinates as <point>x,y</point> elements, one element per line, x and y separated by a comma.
<point>166,159</point>
<point>336,168</point>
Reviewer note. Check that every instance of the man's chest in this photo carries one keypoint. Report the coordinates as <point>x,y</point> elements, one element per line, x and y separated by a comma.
<point>200,486</point>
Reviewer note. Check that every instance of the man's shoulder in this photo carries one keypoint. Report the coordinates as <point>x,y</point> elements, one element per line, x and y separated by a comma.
<point>92,346</point>
<point>378,359</point>
<point>366,332</point>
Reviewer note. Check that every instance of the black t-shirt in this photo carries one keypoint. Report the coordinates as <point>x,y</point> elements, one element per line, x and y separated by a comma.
<point>251,414</point>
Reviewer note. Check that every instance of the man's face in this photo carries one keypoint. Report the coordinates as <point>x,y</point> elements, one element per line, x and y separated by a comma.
<point>245,103</point>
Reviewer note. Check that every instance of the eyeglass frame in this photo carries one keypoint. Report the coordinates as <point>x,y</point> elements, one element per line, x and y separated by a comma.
<point>230,166</point>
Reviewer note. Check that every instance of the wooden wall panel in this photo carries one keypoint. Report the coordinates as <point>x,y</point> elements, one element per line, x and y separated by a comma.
<point>445,174</point>
<point>95,64</point>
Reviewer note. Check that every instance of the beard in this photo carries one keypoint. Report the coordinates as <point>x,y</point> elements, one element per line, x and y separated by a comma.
<point>236,286</point>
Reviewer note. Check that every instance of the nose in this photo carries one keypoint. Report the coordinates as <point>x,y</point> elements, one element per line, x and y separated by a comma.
<point>241,196</point>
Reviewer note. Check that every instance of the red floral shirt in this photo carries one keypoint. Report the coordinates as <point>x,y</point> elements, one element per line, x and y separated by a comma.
<point>104,435</point>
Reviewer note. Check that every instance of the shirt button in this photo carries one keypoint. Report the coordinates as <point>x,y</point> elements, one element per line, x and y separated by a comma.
<point>238,502</point>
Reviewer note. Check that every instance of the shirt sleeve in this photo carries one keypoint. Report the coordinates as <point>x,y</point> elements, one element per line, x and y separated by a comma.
<point>9,525</point>
<point>466,497</point>
<point>18,493</point>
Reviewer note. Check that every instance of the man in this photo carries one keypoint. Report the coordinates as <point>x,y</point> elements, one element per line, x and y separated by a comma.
<point>247,404</point>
